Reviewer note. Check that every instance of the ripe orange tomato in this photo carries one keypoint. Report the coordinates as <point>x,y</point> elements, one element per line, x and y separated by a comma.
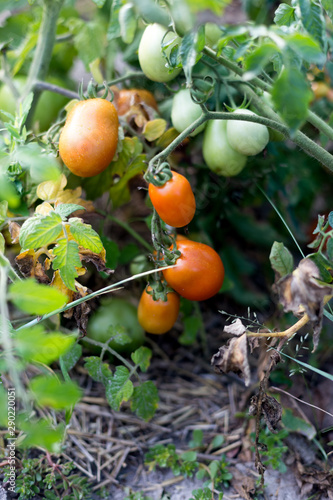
<point>88,141</point>
<point>128,97</point>
<point>157,316</point>
<point>199,271</point>
<point>174,202</point>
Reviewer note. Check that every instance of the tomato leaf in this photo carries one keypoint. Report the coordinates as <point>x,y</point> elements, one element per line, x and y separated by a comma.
<point>66,260</point>
<point>97,370</point>
<point>291,96</point>
<point>313,20</point>
<point>85,236</point>
<point>99,3</point>
<point>127,22</point>
<point>284,15</point>
<point>34,298</point>
<point>281,259</point>
<point>152,12</point>
<point>72,356</point>
<point>118,387</point>
<point>328,6</point>
<point>89,41</point>
<point>49,391</point>
<point>40,433</point>
<point>35,345</point>
<point>65,209</point>
<point>257,60</point>
<point>112,252</point>
<point>142,357</point>
<point>42,166</point>
<point>306,47</point>
<point>114,25</point>
<point>145,400</point>
<point>40,231</point>
<point>190,51</point>
<point>3,211</point>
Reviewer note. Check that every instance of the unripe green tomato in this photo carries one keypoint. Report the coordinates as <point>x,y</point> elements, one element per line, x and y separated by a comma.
<point>48,106</point>
<point>220,157</point>
<point>115,312</point>
<point>185,111</point>
<point>151,58</point>
<point>212,34</point>
<point>247,138</point>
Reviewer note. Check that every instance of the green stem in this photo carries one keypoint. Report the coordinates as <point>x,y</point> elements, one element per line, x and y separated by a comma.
<point>4,262</point>
<point>127,228</point>
<point>39,86</point>
<point>43,52</point>
<point>320,124</point>
<point>129,76</point>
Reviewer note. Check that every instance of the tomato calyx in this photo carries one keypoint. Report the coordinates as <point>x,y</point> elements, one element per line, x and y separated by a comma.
<point>93,89</point>
<point>202,89</point>
<point>160,176</point>
<point>159,290</point>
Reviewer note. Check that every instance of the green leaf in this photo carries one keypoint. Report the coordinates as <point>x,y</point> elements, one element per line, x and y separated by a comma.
<point>89,41</point>
<point>3,407</point>
<point>284,15</point>
<point>66,260</point>
<point>97,370</point>
<point>65,209</point>
<point>296,424</point>
<point>40,231</point>
<point>291,96</point>
<point>281,259</point>
<point>35,345</point>
<point>328,6</point>
<point>190,51</point>
<point>145,400</point>
<point>3,211</point>
<point>127,22</point>
<point>2,244</point>
<point>197,438</point>
<point>142,357</point>
<point>34,298</point>
<point>313,20</point>
<point>85,236</point>
<point>189,456</point>
<point>8,192</point>
<point>48,391</point>
<point>72,356</point>
<point>114,25</point>
<point>151,12</point>
<point>118,387</point>
<point>306,47</point>
<point>42,166</point>
<point>112,252</point>
<point>99,3</point>
<point>257,60</point>
<point>117,332</point>
<point>330,248</point>
<point>40,433</point>
<point>192,325</point>
<point>216,6</point>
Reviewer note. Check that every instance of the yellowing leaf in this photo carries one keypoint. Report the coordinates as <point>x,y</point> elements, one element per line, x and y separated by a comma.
<point>167,138</point>
<point>154,129</point>
<point>48,190</point>
<point>44,208</point>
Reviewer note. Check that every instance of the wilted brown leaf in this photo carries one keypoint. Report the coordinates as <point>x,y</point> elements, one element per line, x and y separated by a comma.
<point>301,292</point>
<point>236,328</point>
<point>97,259</point>
<point>80,312</point>
<point>270,409</point>
<point>14,229</point>
<point>232,357</point>
<point>30,267</point>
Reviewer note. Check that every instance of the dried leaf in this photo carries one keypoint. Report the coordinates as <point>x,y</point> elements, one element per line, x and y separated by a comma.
<point>301,292</point>
<point>14,229</point>
<point>236,328</point>
<point>233,357</point>
<point>97,259</point>
<point>30,267</point>
<point>270,409</point>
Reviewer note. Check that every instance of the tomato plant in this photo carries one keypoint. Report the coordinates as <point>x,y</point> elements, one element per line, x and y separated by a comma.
<point>174,201</point>
<point>220,157</point>
<point>199,271</point>
<point>158,316</point>
<point>152,60</point>
<point>245,137</point>
<point>88,141</point>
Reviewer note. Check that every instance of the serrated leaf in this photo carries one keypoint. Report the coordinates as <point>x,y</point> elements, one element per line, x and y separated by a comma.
<point>40,231</point>
<point>114,26</point>
<point>117,332</point>
<point>34,298</point>
<point>284,15</point>
<point>85,236</point>
<point>35,345</point>
<point>154,129</point>
<point>66,260</point>
<point>281,259</point>
<point>291,96</point>
<point>306,47</point>
<point>89,41</point>
<point>145,400</point>
<point>118,388</point>
<point>65,209</point>
<point>72,356</point>
<point>142,357</point>
<point>49,391</point>
<point>258,59</point>
<point>190,51</point>
<point>313,20</point>
<point>328,6</point>
<point>128,22</point>
<point>97,370</point>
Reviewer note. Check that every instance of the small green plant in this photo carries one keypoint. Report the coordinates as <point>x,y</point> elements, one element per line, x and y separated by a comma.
<point>272,447</point>
<point>49,480</point>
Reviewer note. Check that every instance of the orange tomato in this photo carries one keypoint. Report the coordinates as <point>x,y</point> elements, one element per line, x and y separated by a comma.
<point>126,98</point>
<point>174,201</point>
<point>88,141</point>
<point>198,273</point>
<point>157,316</point>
